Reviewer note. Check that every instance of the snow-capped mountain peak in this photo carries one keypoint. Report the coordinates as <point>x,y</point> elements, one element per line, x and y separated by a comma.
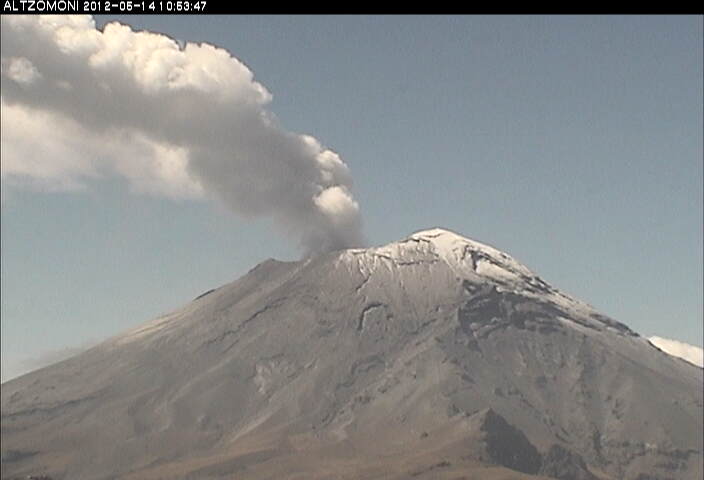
<point>462,252</point>
<point>466,257</point>
<point>438,252</point>
<point>431,347</point>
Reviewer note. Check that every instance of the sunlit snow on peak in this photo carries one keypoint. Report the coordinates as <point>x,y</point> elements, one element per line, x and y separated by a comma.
<point>462,252</point>
<point>439,249</point>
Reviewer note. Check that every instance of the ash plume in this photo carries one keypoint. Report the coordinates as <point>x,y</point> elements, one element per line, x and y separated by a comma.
<point>183,121</point>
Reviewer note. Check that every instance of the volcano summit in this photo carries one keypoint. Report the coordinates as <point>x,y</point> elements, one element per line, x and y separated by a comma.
<point>432,357</point>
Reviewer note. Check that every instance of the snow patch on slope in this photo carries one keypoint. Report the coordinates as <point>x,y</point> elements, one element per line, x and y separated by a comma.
<point>685,351</point>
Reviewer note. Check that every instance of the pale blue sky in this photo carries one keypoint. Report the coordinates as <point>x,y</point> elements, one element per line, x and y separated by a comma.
<point>573,143</point>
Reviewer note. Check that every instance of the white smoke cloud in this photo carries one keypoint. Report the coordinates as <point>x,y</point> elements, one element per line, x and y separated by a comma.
<point>175,120</point>
<point>19,70</point>
<point>685,351</point>
<point>46,152</point>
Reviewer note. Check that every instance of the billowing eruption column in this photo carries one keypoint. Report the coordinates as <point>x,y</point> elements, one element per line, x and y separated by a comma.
<point>176,120</point>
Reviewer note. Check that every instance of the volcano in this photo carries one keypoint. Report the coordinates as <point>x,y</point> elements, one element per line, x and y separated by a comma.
<point>433,357</point>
